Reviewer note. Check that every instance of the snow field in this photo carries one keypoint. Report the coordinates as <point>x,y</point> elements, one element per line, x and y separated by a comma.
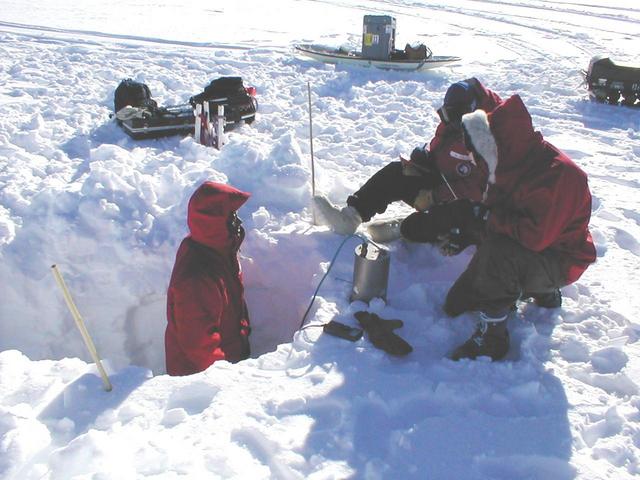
<point>110,212</point>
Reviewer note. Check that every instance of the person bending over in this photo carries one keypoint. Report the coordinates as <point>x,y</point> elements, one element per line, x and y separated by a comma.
<point>532,231</point>
<point>419,181</point>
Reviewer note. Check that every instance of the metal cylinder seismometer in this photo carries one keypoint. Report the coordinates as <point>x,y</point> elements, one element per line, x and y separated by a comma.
<point>370,272</point>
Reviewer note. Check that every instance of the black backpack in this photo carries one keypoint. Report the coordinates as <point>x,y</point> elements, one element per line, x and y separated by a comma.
<point>230,92</point>
<point>136,94</point>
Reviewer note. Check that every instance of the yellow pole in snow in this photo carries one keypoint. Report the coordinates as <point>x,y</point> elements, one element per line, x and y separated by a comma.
<point>81,326</point>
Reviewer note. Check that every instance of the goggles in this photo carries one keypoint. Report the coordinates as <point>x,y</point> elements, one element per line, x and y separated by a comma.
<point>452,114</point>
<point>234,225</point>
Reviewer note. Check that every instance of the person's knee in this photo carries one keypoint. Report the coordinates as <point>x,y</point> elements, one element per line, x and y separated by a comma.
<point>460,296</point>
<point>499,245</point>
<point>391,171</point>
<point>453,306</point>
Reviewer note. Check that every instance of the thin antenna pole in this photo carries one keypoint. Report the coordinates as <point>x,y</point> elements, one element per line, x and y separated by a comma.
<point>313,169</point>
<point>313,166</point>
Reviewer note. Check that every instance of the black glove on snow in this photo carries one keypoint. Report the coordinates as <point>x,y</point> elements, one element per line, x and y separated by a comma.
<point>380,332</point>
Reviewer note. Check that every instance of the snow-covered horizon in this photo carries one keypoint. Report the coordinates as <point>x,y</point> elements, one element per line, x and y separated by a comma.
<point>110,211</point>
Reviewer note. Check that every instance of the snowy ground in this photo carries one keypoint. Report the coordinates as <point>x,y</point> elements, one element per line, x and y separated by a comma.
<point>110,212</point>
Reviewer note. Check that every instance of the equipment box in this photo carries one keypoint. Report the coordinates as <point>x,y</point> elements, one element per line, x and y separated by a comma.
<point>378,36</point>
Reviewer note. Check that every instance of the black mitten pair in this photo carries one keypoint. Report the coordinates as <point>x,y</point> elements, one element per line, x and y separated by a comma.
<point>380,333</point>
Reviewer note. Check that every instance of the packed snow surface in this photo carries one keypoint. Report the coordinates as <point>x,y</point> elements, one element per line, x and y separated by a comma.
<point>110,211</point>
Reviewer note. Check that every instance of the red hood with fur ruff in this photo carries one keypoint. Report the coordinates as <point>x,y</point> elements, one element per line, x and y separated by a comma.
<point>537,195</point>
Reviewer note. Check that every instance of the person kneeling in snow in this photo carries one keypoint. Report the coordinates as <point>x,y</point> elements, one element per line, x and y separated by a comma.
<point>419,180</point>
<point>532,229</point>
<point>207,317</point>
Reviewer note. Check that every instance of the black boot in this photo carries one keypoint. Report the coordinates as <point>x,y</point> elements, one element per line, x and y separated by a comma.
<point>491,339</point>
<point>549,300</point>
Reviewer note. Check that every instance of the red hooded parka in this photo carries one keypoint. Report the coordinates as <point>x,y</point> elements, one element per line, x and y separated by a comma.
<point>537,195</point>
<point>207,318</point>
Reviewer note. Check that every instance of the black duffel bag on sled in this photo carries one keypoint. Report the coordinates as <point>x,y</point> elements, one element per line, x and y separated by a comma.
<point>239,101</point>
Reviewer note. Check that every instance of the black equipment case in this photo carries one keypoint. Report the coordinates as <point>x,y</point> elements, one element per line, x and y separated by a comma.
<point>162,122</point>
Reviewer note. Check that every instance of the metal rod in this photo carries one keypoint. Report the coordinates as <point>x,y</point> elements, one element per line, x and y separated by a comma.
<point>455,197</point>
<point>313,167</point>
<point>81,326</point>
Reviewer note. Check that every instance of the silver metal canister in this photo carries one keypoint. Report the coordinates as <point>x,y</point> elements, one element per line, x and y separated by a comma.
<point>370,272</point>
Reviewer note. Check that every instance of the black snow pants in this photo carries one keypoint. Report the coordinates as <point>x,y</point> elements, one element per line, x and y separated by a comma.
<point>500,272</point>
<point>389,185</point>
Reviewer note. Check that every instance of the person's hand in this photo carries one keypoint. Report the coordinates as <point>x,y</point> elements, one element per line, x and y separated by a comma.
<point>470,217</point>
<point>420,155</point>
<point>461,222</point>
<point>418,164</point>
<point>453,243</point>
<point>424,200</point>
<point>468,220</point>
<point>410,169</point>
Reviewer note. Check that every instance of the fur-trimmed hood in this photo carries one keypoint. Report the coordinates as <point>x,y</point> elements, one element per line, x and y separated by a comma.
<point>504,139</point>
<point>477,129</point>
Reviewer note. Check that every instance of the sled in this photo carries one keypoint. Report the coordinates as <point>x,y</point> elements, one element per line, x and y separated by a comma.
<point>141,124</point>
<point>611,83</point>
<point>394,62</point>
<point>141,117</point>
<point>378,49</point>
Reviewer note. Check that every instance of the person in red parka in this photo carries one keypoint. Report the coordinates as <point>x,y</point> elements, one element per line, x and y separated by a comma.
<point>207,317</point>
<point>532,228</point>
<point>419,180</point>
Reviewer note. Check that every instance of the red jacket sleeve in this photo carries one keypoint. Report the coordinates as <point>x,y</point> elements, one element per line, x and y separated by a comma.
<point>198,307</point>
<point>539,215</point>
